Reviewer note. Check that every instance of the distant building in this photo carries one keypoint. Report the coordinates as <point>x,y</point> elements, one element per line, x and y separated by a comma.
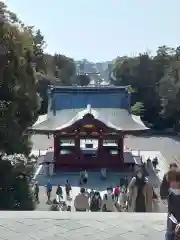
<point>83,120</point>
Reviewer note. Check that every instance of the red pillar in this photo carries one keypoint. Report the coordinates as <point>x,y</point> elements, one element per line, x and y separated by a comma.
<point>77,148</point>
<point>121,147</point>
<point>100,158</point>
<point>56,150</point>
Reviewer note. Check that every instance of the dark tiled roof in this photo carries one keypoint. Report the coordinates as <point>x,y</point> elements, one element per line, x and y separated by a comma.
<point>119,119</point>
<point>89,87</point>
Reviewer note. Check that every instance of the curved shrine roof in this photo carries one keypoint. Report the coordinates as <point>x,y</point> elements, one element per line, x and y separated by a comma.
<point>118,119</point>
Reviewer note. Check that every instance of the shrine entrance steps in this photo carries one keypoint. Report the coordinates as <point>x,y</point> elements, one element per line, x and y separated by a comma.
<point>78,168</point>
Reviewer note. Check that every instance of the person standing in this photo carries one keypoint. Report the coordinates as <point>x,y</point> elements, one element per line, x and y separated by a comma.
<point>36,192</point>
<point>103,173</point>
<point>117,193</point>
<point>155,162</point>
<point>81,177</point>
<point>173,201</point>
<point>68,189</point>
<point>91,194</point>
<point>81,202</point>
<point>140,194</point>
<point>126,182</point>
<point>59,193</point>
<point>48,191</point>
<point>164,187</point>
<point>122,197</point>
<point>85,177</point>
<point>87,193</point>
<point>121,181</point>
<point>156,205</point>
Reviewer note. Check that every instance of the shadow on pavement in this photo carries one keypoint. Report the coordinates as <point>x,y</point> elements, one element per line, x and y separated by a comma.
<point>94,180</point>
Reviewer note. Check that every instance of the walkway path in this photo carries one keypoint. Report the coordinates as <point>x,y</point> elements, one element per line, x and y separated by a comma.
<point>94,183</point>
<point>168,146</point>
<point>162,166</point>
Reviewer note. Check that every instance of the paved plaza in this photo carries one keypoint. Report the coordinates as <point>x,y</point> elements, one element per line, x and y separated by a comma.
<point>81,226</point>
<point>94,182</point>
<point>168,146</point>
<point>165,148</point>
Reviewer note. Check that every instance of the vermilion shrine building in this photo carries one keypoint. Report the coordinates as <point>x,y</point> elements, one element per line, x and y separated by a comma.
<point>88,125</point>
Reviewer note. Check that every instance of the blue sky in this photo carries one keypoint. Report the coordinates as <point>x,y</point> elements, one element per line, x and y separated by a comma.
<point>101,30</point>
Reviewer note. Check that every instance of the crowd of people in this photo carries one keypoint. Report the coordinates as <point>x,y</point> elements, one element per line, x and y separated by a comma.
<point>86,200</point>
<point>137,195</point>
<point>112,201</point>
<point>92,201</point>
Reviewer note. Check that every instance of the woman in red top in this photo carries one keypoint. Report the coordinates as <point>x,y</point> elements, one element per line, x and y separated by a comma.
<point>116,193</point>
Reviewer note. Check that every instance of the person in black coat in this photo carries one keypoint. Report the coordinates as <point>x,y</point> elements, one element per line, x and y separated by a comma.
<point>170,191</point>
<point>164,187</point>
<point>95,203</point>
<point>59,193</point>
<point>36,192</point>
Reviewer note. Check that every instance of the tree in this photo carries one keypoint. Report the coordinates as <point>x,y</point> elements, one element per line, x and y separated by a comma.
<point>38,50</point>
<point>169,90</point>
<point>82,80</point>
<point>21,58</point>
<point>64,69</point>
<point>18,95</point>
<point>137,109</point>
<point>15,191</point>
<point>19,104</point>
<point>42,88</point>
<point>155,83</point>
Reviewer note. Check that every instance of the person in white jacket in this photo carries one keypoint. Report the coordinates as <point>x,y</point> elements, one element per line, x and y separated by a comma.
<point>108,203</point>
<point>123,197</point>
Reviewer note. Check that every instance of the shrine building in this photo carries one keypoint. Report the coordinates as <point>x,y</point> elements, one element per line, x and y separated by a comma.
<point>88,125</point>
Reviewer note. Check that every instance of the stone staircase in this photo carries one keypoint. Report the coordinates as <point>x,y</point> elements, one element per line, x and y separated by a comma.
<point>86,226</point>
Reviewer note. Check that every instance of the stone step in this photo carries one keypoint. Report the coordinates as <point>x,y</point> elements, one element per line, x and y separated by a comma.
<point>78,225</point>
